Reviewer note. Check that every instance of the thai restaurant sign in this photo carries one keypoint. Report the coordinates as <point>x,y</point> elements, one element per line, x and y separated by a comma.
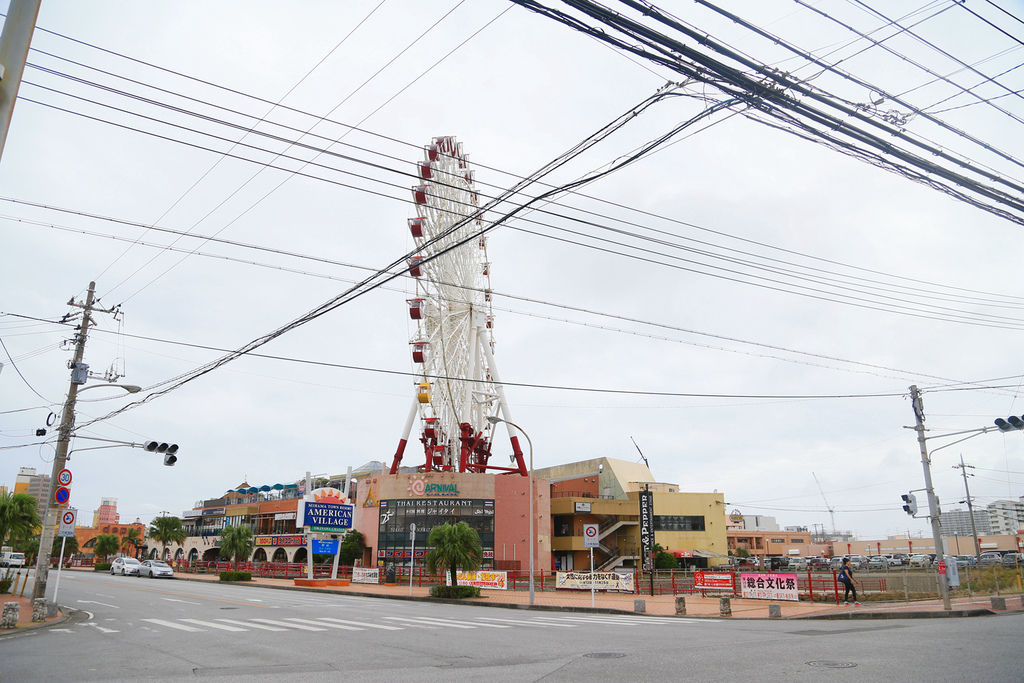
<point>769,586</point>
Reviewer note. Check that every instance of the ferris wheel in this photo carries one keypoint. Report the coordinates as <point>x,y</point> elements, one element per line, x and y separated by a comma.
<point>453,344</point>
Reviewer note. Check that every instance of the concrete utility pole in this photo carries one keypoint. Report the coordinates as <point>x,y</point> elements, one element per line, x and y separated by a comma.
<point>933,503</point>
<point>970,507</point>
<point>14,43</point>
<point>67,423</point>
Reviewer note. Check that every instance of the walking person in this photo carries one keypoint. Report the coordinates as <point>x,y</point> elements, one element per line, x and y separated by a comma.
<point>846,578</point>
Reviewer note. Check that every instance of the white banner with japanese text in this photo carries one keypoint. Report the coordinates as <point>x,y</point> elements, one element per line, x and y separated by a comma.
<point>602,581</point>
<point>365,575</point>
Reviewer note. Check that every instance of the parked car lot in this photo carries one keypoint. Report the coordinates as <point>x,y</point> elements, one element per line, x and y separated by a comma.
<point>155,569</point>
<point>125,566</point>
<point>920,561</point>
<point>991,557</point>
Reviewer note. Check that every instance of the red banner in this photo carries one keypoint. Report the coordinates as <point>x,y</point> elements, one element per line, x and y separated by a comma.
<point>713,581</point>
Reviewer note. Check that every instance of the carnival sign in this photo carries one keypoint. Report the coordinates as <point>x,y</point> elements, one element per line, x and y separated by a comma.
<point>769,586</point>
<point>602,581</point>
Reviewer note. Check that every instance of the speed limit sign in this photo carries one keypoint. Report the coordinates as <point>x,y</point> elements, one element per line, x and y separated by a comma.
<point>590,539</point>
<point>64,477</point>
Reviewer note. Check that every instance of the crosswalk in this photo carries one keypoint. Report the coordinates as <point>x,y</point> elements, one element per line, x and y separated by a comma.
<point>394,623</point>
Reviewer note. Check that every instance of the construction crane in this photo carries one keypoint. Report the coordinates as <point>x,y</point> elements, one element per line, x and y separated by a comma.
<point>831,510</point>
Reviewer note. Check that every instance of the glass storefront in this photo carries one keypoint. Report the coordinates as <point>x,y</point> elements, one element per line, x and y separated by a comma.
<point>393,541</point>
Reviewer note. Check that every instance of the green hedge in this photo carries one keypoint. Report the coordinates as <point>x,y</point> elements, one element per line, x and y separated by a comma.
<point>5,585</point>
<point>454,592</point>
<point>235,576</point>
<point>101,567</point>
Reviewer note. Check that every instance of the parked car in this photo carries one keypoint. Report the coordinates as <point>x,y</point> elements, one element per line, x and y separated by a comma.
<point>878,562</point>
<point>897,559</point>
<point>818,562</point>
<point>156,569</point>
<point>1012,560</point>
<point>125,566</point>
<point>966,561</point>
<point>990,557</point>
<point>12,559</point>
<point>796,563</point>
<point>920,561</point>
<point>858,561</point>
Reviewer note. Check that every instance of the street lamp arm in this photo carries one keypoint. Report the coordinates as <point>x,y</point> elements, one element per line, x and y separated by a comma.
<point>953,443</point>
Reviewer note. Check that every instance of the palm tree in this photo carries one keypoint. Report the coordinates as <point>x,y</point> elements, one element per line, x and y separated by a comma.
<point>132,540</point>
<point>106,545</point>
<point>166,530</point>
<point>456,546</point>
<point>18,516</point>
<point>236,542</point>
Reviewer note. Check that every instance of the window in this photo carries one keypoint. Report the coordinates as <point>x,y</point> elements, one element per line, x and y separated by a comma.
<point>563,525</point>
<point>778,540</point>
<point>678,523</point>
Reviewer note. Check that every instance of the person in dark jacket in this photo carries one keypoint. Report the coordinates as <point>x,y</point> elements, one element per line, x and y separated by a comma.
<point>846,578</point>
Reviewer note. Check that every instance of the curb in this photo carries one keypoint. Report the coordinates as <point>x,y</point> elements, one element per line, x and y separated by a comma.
<point>35,626</point>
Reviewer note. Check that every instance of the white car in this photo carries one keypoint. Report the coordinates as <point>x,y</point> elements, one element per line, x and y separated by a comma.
<point>125,566</point>
<point>155,569</point>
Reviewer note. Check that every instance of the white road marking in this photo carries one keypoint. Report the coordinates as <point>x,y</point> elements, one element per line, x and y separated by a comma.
<point>360,623</point>
<point>94,602</point>
<point>528,623</point>
<point>272,622</point>
<point>187,602</point>
<point>471,624</point>
<point>60,630</point>
<point>101,629</point>
<point>250,625</point>
<point>210,624</point>
<point>427,622</point>
<point>171,624</point>
<point>320,623</point>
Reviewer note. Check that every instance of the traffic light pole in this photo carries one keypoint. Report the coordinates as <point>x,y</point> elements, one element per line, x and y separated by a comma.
<point>933,502</point>
<point>67,423</point>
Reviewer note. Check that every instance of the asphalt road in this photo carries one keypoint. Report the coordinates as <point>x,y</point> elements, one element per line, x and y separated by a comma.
<point>130,629</point>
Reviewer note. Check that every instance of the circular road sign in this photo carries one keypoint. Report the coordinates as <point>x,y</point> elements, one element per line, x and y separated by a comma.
<point>62,495</point>
<point>68,517</point>
<point>590,530</point>
<point>64,478</point>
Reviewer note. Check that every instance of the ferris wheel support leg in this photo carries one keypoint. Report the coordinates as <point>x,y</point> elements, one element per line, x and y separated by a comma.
<point>405,436</point>
<point>503,408</point>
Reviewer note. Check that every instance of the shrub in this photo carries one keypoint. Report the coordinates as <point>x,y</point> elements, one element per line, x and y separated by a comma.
<point>101,567</point>
<point>454,592</point>
<point>5,584</point>
<point>235,576</point>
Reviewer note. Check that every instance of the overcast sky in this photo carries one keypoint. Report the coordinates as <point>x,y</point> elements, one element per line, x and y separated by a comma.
<point>518,90</point>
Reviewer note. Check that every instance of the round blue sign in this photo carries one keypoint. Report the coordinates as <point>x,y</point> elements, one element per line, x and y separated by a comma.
<point>62,495</point>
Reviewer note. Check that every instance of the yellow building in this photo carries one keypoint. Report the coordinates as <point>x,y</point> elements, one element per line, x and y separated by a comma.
<point>605,491</point>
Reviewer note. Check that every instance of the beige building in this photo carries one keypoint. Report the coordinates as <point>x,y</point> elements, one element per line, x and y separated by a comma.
<point>605,491</point>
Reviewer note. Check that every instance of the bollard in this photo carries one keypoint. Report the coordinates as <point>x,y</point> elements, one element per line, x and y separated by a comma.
<point>725,607</point>
<point>640,606</point>
<point>39,609</point>
<point>774,611</point>
<point>680,604</point>
<point>998,603</point>
<point>10,615</point>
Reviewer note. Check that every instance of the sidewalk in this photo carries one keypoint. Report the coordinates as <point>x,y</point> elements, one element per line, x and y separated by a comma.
<point>661,605</point>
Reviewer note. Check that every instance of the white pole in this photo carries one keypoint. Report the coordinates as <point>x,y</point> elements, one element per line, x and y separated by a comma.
<point>60,563</point>
<point>591,576</point>
<point>412,558</point>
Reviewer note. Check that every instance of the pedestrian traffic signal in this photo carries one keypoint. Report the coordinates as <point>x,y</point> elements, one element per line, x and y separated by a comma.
<point>168,450</point>
<point>1009,424</point>
<point>909,503</point>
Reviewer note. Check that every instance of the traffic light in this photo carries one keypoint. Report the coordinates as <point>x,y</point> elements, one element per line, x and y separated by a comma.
<point>909,503</point>
<point>168,450</point>
<point>1009,424</point>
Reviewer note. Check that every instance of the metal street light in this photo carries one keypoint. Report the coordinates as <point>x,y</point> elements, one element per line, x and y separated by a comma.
<point>494,419</point>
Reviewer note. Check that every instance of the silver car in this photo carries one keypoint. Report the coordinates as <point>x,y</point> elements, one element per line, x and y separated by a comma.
<point>156,569</point>
<point>125,566</point>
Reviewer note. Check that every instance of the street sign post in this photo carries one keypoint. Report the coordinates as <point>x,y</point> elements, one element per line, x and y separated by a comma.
<point>412,557</point>
<point>591,540</point>
<point>66,530</point>
<point>62,495</point>
<point>64,477</point>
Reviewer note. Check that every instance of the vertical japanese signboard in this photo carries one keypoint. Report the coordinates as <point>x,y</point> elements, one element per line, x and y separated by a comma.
<point>647,529</point>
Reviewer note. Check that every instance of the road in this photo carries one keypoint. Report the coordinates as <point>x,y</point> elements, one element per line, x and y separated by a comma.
<point>131,628</point>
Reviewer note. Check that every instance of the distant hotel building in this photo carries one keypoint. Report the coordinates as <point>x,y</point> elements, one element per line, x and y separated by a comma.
<point>958,523</point>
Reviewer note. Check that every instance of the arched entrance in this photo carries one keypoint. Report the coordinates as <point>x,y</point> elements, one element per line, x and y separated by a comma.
<point>211,555</point>
<point>300,555</point>
<point>152,554</point>
<point>260,555</point>
<point>193,555</point>
<point>180,554</point>
<point>280,555</point>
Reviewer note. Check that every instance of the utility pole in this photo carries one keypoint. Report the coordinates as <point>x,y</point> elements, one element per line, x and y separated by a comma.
<point>933,502</point>
<point>970,507</point>
<point>14,43</point>
<point>67,424</point>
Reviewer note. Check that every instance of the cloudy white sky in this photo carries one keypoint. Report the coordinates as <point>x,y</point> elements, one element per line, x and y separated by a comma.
<point>701,333</point>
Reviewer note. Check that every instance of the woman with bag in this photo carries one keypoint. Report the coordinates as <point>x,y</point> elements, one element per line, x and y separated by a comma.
<point>846,578</point>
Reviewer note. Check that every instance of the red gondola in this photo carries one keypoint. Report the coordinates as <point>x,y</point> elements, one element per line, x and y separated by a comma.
<point>416,226</point>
